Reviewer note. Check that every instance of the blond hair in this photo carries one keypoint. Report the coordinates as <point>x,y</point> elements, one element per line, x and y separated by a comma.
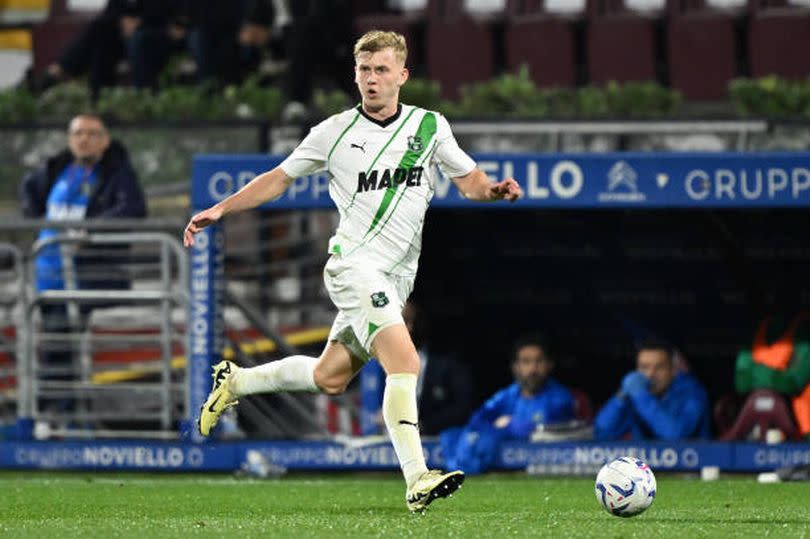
<point>377,40</point>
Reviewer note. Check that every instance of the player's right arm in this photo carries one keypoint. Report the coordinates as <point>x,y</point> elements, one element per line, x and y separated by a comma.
<point>267,186</point>
<point>308,157</point>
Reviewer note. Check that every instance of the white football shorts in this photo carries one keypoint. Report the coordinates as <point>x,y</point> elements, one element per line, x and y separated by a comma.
<point>368,301</point>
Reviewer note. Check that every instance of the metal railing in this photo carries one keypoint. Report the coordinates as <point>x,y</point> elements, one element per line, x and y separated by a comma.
<point>85,406</point>
<point>740,129</point>
<point>11,280</point>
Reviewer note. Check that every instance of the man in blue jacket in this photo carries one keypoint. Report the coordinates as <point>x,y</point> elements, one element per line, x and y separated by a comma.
<point>512,413</point>
<point>655,401</point>
<point>92,178</point>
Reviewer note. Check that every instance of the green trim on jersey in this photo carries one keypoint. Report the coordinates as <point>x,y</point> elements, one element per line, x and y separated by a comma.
<point>372,327</point>
<point>426,131</point>
<point>354,121</point>
<point>408,117</point>
<point>410,243</point>
<point>425,155</point>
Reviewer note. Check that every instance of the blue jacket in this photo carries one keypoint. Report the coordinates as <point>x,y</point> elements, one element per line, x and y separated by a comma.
<point>681,412</point>
<point>474,448</point>
<point>116,194</point>
<point>553,403</point>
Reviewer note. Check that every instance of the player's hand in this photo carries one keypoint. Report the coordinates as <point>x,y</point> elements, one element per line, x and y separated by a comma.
<point>200,221</point>
<point>507,189</point>
<point>635,383</point>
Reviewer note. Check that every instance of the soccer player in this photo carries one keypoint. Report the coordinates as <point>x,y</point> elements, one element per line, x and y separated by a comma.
<point>379,157</point>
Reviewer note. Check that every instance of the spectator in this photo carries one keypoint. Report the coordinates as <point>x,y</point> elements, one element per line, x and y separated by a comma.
<point>225,36</point>
<point>444,385</point>
<point>655,401</point>
<point>317,50</point>
<point>91,178</point>
<point>256,31</point>
<point>513,413</point>
<point>146,32</point>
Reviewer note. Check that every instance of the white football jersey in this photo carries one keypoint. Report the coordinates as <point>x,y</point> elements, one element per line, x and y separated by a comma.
<point>381,180</point>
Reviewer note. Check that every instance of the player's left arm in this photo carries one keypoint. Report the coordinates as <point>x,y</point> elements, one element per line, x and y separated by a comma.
<point>470,180</point>
<point>477,186</point>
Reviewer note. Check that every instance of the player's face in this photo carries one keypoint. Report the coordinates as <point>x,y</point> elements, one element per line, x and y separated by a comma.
<point>657,366</point>
<point>87,139</point>
<point>378,76</point>
<point>531,368</point>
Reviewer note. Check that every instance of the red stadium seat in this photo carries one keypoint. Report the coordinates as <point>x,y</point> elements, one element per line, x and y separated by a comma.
<point>50,37</point>
<point>621,47</point>
<point>779,40</point>
<point>546,44</point>
<point>459,48</point>
<point>763,409</point>
<point>408,25</point>
<point>702,54</point>
<point>583,409</point>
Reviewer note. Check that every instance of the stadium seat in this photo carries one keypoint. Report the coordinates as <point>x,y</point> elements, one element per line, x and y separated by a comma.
<point>53,35</point>
<point>583,409</point>
<point>459,47</point>
<point>545,43</point>
<point>763,409</point>
<point>702,53</point>
<point>725,411</point>
<point>621,40</point>
<point>779,39</point>
<point>621,47</point>
<point>410,25</point>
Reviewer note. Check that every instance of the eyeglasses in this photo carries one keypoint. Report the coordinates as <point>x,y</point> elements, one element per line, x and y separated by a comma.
<point>92,133</point>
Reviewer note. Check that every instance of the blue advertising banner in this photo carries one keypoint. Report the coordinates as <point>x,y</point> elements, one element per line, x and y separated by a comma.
<point>757,456</point>
<point>588,455</point>
<point>205,320</point>
<point>376,453</point>
<point>611,180</point>
<point>117,455</point>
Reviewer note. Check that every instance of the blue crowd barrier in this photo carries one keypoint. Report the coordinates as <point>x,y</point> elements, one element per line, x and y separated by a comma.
<point>379,455</point>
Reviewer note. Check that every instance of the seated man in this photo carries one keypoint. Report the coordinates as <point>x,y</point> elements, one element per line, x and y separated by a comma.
<point>91,178</point>
<point>655,401</point>
<point>512,413</point>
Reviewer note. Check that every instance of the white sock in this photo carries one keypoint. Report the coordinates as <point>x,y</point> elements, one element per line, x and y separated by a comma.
<point>294,373</point>
<point>399,412</point>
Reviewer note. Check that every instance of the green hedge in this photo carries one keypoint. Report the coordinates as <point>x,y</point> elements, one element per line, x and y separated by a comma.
<point>507,96</point>
<point>61,102</point>
<point>771,97</point>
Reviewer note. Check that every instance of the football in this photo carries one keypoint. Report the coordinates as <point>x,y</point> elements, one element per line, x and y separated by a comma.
<point>625,487</point>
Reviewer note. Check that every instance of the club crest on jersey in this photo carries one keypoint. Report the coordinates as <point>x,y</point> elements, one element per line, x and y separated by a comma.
<point>379,299</point>
<point>415,144</point>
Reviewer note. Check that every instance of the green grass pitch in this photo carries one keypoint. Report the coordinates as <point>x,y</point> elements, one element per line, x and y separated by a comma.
<point>56,505</point>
